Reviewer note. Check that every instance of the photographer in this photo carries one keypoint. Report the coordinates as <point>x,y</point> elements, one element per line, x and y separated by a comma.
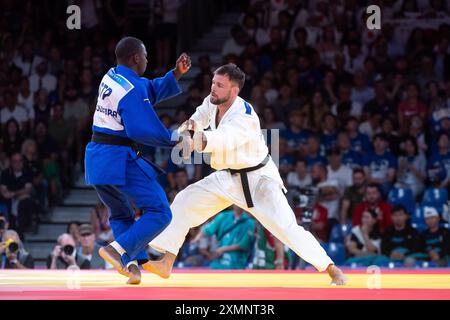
<point>4,225</point>
<point>64,255</point>
<point>12,253</point>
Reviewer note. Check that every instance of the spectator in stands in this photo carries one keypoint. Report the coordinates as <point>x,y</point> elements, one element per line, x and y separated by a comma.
<point>295,135</point>
<point>314,152</point>
<point>329,198</point>
<point>25,98</point>
<point>235,235</point>
<point>328,137</point>
<point>411,167</point>
<point>299,178</point>
<point>315,110</point>
<point>435,240</point>
<point>88,249</point>
<point>41,79</point>
<point>49,153</point>
<point>13,137</point>
<point>410,107</point>
<point>359,141</point>
<point>338,171</point>
<point>361,92</point>
<point>353,195</point>
<point>12,253</point>
<point>16,187</point>
<point>380,165</point>
<point>65,255</point>
<point>194,252</point>
<point>374,201</point>
<point>350,158</point>
<point>33,164</point>
<point>42,106</point>
<point>392,137</point>
<point>400,242</point>
<point>363,245</point>
<point>73,228</point>
<point>268,251</point>
<point>286,161</point>
<point>439,161</point>
<point>12,110</point>
<point>380,102</point>
<point>236,44</point>
<point>100,224</point>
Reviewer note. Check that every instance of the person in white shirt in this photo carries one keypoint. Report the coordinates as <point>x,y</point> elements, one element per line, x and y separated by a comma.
<point>25,97</point>
<point>336,170</point>
<point>246,176</point>
<point>236,44</point>
<point>42,79</point>
<point>13,110</point>
<point>299,178</point>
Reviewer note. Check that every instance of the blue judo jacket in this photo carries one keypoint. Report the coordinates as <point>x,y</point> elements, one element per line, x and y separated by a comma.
<point>125,108</point>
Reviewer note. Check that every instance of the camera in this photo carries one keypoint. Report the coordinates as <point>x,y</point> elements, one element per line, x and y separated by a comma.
<point>306,199</point>
<point>68,249</point>
<point>12,246</point>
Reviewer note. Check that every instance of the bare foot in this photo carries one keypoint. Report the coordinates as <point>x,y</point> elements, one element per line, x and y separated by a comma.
<point>337,276</point>
<point>110,255</point>
<point>163,267</point>
<point>135,274</point>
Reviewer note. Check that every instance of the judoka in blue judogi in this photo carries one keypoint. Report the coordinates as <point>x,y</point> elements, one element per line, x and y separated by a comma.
<point>124,119</point>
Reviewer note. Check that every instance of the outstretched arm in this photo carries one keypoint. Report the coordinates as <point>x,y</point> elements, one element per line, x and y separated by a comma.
<point>163,88</point>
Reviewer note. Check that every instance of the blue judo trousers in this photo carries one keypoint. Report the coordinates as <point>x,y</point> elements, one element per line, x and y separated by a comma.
<point>120,177</point>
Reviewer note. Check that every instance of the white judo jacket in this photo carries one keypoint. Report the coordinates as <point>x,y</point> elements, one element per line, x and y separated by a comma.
<point>237,142</point>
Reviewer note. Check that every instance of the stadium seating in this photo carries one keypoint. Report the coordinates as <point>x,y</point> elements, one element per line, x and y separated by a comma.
<point>403,197</point>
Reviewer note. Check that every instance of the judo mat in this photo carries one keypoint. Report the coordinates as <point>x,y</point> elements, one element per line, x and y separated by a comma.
<point>387,284</point>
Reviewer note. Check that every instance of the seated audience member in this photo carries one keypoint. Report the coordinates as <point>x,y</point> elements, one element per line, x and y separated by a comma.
<point>380,165</point>
<point>12,253</point>
<point>299,178</point>
<point>353,195</point>
<point>268,251</point>
<point>363,245</point>
<point>373,200</point>
<point>100,224</point>
<point>235,234</point>
<point>65,256</point>
<point>16,187</point>
<point>399,242</point>
<point>73,228</point>
<point>435,240</point>
<point>194,252</point>
<point>89,248</point>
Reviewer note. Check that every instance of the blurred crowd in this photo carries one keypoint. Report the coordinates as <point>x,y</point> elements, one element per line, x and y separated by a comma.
<point>363,118</point>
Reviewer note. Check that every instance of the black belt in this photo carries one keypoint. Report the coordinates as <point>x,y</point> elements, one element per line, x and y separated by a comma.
<point>105,138</point>
<point>244,179</point>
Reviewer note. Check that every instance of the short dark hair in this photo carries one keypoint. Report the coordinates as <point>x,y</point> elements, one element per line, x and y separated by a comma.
<point>233,72</point>
<point>397,208</point>
<point>127,47</point>
<point>359,170</point>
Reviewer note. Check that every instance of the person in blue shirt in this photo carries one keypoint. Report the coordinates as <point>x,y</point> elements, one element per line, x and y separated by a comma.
<point>439,162</point>
<point>314,152</point>
<point>328,138</point>
<point>295,135</point>
<point>380,165</point>
<point>124,122</point>
<point>359,141</point>
<point>350,158</point>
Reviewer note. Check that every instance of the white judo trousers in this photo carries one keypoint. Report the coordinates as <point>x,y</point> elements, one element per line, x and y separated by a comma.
<point>202,200</point>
